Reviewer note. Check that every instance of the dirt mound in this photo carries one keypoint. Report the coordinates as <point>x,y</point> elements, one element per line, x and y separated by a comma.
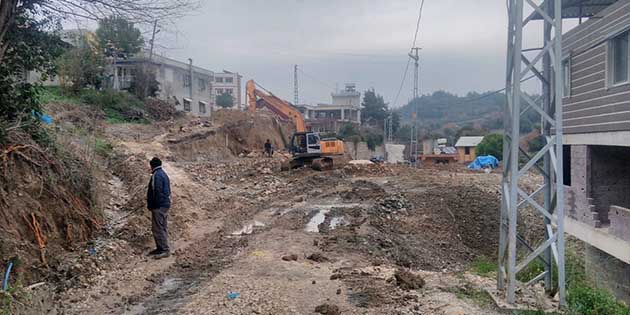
<point>161,110</point>
<point>46,199</point>
<point>437,229</point>
<point>408,281</point>
<point>228,134</point>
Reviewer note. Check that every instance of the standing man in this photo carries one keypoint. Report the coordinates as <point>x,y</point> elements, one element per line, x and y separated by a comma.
<point>158,202</point>
<point>268,148</point>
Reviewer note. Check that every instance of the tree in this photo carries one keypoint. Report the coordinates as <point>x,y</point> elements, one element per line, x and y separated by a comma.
<point>120,34</point>
<point>144,83</point>
<point>373,140</point>
<point>225,100</point>
<point>395,121</point>
<point>491,145</point>
<point>83,66</point>
<point>33,48</point>
<point>140,11</point>
<point>348,130</point>
<point>374,108</point>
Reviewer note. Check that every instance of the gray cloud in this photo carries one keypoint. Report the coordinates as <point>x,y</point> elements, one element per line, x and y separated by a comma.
<point>361,41</point>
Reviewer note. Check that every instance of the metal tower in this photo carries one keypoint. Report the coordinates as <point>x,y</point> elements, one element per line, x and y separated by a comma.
<point>296,98</point>
<point>548,161</point>
<point>413,147</point>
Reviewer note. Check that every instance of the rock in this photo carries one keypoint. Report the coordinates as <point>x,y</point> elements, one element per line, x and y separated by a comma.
<point>408,281</point>
<point>327,309</point>
<point>338,291</point>
<point>292,257</point>
<point>317,257</point>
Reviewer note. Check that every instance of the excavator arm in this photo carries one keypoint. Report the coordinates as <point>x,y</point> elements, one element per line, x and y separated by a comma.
<point>280,107</point>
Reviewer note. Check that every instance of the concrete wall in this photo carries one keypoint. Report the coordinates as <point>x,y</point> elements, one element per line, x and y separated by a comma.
<point>620,222</point>
<point>362,151</point>
<point>395,153</point>
<point>608,273</point>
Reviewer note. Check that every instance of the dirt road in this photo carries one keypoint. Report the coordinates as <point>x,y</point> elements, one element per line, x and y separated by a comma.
<point>250,239</point>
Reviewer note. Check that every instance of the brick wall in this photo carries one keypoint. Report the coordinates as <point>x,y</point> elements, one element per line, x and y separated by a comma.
<point>578,203</point>
<point>610,179</point>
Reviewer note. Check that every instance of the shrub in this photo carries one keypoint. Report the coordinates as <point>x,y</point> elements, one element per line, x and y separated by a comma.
<point>491,145</point>
<point>118,106</point>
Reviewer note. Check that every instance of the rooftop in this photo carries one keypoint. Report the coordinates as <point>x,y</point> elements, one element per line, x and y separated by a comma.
<point>468,141</point>
<point>572,9</point>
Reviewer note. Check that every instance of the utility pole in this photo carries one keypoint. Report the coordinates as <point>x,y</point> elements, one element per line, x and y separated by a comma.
<point>413,147</point>
<point>296,98</point>
<point>155,31</point>
<point>146,68</point>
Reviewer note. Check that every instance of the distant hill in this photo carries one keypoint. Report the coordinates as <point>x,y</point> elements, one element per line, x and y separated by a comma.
<point>442,108</point>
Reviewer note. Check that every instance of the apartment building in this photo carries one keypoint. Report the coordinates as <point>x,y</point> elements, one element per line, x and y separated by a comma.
<point>191,88</point>
<point>345,108</point>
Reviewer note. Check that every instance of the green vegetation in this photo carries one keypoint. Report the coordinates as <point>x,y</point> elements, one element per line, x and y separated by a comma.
<point>350,132</point>
<point>582,299</point>
<point>374,109</point>
<point>103,147</point>
<point>478,296</point>
<point>483,266</point>
<point>119,107</point>
<point>119,36</point>
<point>491,145</point>
<point>483,109</point>
<point>225,100</point>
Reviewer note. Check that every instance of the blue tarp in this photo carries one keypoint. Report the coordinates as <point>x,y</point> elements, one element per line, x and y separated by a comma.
<point>486,161</point>
<point>42,117</point>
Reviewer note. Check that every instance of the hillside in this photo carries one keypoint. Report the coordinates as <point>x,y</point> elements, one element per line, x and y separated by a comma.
<point>482,110</point>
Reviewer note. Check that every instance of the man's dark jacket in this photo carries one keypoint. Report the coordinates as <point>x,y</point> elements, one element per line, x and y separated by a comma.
<point>159,190</point>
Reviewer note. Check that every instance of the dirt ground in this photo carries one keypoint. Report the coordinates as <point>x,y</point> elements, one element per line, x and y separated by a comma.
<point>248,238</point>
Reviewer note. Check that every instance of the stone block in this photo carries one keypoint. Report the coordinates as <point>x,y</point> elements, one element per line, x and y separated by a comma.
<point>620,222</point>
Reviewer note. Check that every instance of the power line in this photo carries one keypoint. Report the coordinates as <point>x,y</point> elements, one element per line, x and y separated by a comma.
<point>415,38</point>
<point>321,82</point>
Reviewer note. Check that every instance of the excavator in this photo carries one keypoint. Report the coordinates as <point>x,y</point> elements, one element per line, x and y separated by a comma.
<point>308,148</point>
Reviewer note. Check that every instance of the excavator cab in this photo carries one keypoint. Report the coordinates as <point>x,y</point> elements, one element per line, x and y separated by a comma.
<point>306,144</point>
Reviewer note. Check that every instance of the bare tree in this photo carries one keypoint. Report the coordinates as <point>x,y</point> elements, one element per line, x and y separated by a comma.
<point>138,11</point>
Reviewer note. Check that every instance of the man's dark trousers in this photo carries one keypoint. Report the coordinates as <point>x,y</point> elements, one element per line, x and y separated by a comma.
<point>159,227</point>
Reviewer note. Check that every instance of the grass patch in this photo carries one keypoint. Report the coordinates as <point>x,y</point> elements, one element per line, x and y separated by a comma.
<point>103,147</point>
<point>483,266</point>
<point>118,106</point>
<point>55,94</point>
<point>477,296</point>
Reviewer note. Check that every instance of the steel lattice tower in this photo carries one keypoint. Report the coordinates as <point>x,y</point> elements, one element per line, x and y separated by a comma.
<point>548,161</point>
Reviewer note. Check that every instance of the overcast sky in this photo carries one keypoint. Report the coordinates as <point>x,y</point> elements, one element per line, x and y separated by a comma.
<point>334,42</point>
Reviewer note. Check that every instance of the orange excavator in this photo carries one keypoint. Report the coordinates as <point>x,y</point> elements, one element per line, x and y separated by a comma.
<point>308,148</point>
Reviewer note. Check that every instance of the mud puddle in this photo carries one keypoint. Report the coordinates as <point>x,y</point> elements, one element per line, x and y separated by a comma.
<point>321,212</point>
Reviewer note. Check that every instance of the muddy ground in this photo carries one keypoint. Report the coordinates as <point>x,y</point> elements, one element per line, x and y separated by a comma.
<point>248,238</point>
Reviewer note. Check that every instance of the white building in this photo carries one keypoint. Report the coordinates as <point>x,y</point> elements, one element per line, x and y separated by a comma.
<point>191,88</point>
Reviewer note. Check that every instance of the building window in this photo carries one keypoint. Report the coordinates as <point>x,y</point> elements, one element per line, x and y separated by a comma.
<point>219,91</point>
<point>186,80</point>
<point>219,79</point>
<point>619,66</point>
<point>566,76</point>
<point>566,164</point>
<point>229,80</point>
<point>202,84</point>
<point>467,150</point>
<point>229,91</point>
<point>202,108</point>
<point>186,105</point>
